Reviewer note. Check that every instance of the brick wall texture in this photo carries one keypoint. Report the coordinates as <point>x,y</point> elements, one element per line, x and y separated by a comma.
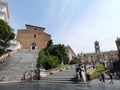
<point>33,37</point>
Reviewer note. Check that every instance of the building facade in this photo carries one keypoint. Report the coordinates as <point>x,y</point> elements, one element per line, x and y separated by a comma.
<point>4,12</point>
<point>70,53</point>
<point>33,37</point>
<point>106,55</point>
<point>98,55</point>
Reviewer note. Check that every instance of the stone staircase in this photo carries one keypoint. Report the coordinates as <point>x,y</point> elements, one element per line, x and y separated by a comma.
<point>16,64</point>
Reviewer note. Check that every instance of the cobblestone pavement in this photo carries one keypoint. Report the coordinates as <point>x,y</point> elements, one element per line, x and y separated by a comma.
<point>16,64</point>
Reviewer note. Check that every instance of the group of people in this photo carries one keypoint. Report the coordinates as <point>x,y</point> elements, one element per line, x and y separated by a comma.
<point>25,76</point>
<point>102,77</point>
<point>86,76</point>
<point>82,75</point>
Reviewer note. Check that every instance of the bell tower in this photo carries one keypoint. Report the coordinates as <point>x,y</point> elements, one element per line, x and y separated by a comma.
<point>97,47</point>
<point>4,12</point>
<point>97,51</point>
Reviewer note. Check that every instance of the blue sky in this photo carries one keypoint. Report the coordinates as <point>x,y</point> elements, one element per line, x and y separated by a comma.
<point>77,23</point>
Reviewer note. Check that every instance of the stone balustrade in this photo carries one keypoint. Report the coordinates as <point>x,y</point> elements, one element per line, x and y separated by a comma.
<point>44,73</point>
<point>2,57</point>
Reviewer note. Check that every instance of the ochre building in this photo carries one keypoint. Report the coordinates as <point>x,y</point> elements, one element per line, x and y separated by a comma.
<point>33,37</point>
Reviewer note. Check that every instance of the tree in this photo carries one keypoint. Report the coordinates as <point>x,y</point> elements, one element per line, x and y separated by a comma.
<point>50,43</point>
<point>6,34</point>
<point>73,62</point>
<point>41,58</point>
<point>50,62</point>
<point>52,56</point>
<point>59,51</point>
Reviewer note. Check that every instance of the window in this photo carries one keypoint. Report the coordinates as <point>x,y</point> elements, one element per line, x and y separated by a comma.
<point>35,29</point>
<point>34,36</point>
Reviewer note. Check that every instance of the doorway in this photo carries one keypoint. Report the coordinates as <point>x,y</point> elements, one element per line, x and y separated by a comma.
<point>33,46</point>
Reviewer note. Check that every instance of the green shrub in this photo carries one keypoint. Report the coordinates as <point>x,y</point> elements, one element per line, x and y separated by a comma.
<point>52,56</point>
<point>50,62</point>
<point>99,68</point>
<point>73,62</point>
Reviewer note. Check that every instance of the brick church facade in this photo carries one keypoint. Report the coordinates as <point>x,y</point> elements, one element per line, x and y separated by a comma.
<point>33,37</point>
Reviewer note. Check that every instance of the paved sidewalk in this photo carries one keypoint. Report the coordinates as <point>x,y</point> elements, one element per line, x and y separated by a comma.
<point>98,85</point>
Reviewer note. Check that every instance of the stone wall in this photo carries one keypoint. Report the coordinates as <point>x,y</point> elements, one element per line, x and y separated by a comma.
<point>2,57</point>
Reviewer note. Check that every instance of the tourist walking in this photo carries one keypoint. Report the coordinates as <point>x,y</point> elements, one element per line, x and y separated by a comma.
<point>23,78</point>
<point>25,75</point>
<point>103,77</point>
<point>111,78</point>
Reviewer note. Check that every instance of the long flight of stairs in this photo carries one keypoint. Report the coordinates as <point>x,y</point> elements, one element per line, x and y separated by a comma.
<point>16,64</point>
